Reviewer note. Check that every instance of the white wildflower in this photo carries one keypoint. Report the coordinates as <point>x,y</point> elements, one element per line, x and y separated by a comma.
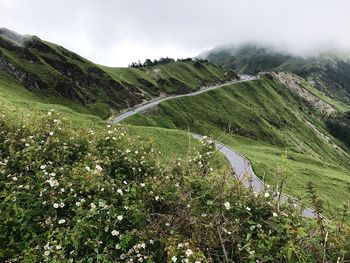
<point>53,182</point>
<point>248,208</point>
<point>115,233</point>
<point>266,195</point>
<point>174,259</point>
<point>61,221</point>
<point>274,214</point>
<point>51,133</point>
<point>99,168</point>
<point>188,252</point>
<point>120,217</point>
<point>227,205</point>
<point>55,205</point>
<point>119,191</point>
<point>101,203</point>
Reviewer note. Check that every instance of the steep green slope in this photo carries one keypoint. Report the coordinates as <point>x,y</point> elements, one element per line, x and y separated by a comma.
<point>59,75</point>
<point>17,103</point>
<point>262,119</point>
<point>172,78</point>
<point>328,72</point>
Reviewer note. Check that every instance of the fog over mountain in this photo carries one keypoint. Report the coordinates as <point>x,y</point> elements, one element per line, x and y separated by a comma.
<point>119,32</point>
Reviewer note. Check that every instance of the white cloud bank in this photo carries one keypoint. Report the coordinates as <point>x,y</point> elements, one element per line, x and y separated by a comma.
<point>118,32</point>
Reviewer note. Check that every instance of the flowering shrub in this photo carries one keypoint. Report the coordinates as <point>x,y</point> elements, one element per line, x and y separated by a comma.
<point>77,195</point>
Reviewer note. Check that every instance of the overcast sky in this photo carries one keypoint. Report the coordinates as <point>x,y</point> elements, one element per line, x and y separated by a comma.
<point>118,32</point>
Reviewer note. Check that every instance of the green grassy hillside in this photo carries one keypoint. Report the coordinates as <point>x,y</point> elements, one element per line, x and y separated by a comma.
<point>18,104</point>
<point>60,76</point>
<point>263,119</point>
<point>172,78</point>
<point>72,188</point>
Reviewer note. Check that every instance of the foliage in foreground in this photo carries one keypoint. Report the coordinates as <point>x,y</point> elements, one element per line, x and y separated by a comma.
<point>103,196</point>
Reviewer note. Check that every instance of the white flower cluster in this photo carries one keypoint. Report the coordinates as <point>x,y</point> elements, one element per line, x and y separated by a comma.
<point>137,251</point>
<point>184,254</point>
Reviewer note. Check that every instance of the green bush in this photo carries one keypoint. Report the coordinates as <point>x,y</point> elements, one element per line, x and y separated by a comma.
<point>80,195</point>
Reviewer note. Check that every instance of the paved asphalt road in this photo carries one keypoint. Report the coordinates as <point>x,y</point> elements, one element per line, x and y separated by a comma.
<point>241,165</point>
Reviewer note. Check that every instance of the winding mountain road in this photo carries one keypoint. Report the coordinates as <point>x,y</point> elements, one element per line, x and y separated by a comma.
<point>240,164</point>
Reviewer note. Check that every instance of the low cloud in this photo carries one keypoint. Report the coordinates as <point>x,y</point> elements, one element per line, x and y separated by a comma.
<point>116,32</point>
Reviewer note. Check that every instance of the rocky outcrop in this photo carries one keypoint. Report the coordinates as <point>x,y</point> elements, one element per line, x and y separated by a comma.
<point>294,83</point>
<point>30,81</point>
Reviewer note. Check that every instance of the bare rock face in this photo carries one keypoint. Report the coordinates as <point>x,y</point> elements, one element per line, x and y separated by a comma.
<point>294,83</point>
<point>30,81</point>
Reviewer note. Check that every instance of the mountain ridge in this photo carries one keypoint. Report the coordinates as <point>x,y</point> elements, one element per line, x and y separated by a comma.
<point>328,71</point>
<point>53,71</point>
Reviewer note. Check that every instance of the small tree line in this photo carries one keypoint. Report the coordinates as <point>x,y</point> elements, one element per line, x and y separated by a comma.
<point>151,63</point>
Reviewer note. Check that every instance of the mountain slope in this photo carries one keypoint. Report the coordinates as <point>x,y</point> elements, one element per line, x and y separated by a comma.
<point>262,119</point>
<point>328,72</point>
<point>53,72</point>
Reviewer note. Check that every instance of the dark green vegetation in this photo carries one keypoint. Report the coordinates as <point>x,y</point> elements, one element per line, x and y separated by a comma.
<point>328,72</point>
<point>340,127</point>
<point>262,119</point>
<point>60,76</point>
<point>102,195</point>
